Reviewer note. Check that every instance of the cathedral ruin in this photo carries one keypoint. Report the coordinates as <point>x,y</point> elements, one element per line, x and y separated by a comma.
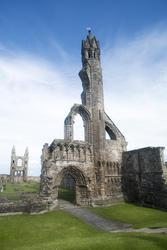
<point>94,164</point>
<point>19,167</point>
<point>100,171</point>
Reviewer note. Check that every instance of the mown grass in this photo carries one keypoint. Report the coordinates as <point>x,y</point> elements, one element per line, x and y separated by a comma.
<point>59,230</point>
<point>12,188</point>
<point>66,194</point>
<point>139,217</point>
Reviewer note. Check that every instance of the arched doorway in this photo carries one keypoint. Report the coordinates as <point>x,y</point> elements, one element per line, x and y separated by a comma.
<point>77,179</point>
<point>67,189</point>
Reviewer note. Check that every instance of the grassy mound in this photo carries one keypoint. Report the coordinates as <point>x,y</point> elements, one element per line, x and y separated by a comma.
<point>59,230</point>
<point>139,217</point>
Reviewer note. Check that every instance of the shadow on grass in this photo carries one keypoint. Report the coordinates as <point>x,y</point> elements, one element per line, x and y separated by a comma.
<point>158,241</point>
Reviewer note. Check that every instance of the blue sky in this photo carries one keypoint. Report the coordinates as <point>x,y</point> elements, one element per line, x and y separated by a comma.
<point>40,44</point>
<point>32,25</point>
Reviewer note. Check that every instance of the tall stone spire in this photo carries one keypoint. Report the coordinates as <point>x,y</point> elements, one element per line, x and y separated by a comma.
<point>92,95</point>
<point>90,48</point>
<point>13,150</point>
<point>26,152</point>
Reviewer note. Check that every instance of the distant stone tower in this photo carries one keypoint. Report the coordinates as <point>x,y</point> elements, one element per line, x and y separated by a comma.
<point>93,164</point>
<point>19,167</point>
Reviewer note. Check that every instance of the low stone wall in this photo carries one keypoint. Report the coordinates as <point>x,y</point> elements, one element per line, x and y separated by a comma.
<point>31,179</point>
<point>165,171</point>
<point>119,199</point>
<point>29,203</point>
<point>142,177</point>
<point>5,177</point>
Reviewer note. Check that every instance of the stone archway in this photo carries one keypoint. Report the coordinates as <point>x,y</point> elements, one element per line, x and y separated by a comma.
<point>67,189</point>
<point>69,121</point>
<point>81,189</point>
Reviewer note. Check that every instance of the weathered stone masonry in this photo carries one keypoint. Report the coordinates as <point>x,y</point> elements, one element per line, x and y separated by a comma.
<point>143,179</point>
<point>19,167</point>
<point>95,164</point>
<point>100,170</point>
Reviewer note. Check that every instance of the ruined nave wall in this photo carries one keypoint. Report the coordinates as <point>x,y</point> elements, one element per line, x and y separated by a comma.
<point>143,179</point>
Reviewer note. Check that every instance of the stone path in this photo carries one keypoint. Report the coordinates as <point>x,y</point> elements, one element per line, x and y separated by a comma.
<point>97,220</point>
<point>102,223</point>
<point>63,204</point>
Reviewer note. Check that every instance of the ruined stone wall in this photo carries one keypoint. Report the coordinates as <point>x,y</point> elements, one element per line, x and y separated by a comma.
<point>108,183</point>
<point>142,177</point>
<point>31,179</point>
<point>70,151</point>
<point>4,177</point>
<point>94,164</point>
<point>29,203</point>
<point>114,149</point>
<point>165,171</point>
<point>19,167</point>
<point>64,158</point>
<point>112,179</point>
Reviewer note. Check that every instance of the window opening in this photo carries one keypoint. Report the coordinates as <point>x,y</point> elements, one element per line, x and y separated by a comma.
<point>79,133</point>
<point>19,162</point>
<point>109,134</point>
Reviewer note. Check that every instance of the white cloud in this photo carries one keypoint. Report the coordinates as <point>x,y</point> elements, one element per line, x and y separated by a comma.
<point>36,96</point>
<point>135,80</point>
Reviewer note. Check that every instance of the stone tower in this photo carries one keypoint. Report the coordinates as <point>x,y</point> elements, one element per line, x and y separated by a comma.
<point>19,167</point>
<point>92,95</point>
<point>93,164</point>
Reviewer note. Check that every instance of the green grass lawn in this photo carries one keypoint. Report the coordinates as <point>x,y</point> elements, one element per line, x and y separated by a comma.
<point>59,230</point>
<point>66,194</point>
<point>23,187</point>
<point>139,217</point>
<point>13,190</point>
